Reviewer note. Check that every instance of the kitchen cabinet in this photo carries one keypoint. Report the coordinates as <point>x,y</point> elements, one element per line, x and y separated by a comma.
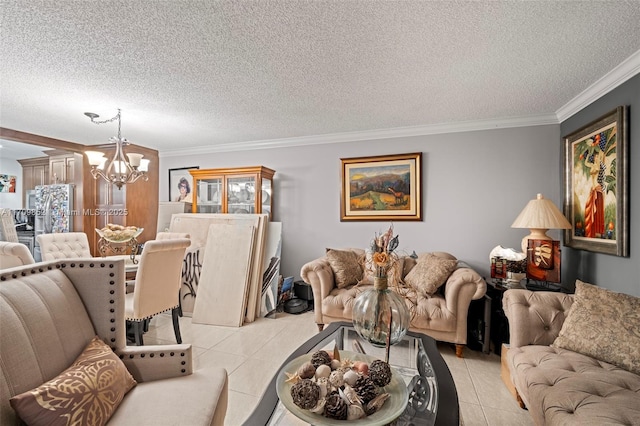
<point>247,190</point>
<point>35,171</point>
<point>61,168</point>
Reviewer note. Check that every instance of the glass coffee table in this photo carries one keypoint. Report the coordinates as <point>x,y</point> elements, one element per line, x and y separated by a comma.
<point>433,399</point>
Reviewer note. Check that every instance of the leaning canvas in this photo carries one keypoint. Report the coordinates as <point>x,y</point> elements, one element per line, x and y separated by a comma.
<point>271,270</point>
<point>194,224</point>
<point>226,272</point>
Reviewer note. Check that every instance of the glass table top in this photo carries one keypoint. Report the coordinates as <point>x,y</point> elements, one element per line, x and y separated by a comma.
<point>433,398</point>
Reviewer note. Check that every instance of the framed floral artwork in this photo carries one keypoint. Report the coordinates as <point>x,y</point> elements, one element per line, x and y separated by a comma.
<point>385,187</point>
<point>596,173</point>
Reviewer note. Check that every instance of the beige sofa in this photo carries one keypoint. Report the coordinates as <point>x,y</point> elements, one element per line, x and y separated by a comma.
<point>50,311</point>
<point>442,315</point>
<point>561,386</point>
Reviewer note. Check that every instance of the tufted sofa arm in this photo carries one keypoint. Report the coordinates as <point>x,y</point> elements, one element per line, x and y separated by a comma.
<point>535,318</point>
<point>319,275</point>
<point>463,283</point>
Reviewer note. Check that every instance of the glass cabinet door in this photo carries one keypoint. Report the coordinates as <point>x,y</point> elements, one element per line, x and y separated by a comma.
<point>209,195</point>
<point>239,190</point>
<point>241,195</point>
<point>266,196</point>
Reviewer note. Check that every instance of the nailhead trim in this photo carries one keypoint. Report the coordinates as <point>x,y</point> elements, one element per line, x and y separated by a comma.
<point>63,265</point>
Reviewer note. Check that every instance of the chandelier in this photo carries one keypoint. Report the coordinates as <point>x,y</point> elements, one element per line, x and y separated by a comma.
<point>119,171</point>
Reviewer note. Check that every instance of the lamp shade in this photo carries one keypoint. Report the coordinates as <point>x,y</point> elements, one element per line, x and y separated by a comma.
<point>95,158</point>
<point>144,165</point>
<point>538,216</point>
<point>541,213</point>
<point>134,159</point>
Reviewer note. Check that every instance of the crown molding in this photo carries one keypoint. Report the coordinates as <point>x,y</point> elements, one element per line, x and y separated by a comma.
<point>398,132</point>
<point>629,68</point>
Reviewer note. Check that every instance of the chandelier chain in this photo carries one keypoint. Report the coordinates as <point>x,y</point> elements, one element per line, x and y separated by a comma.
<point>117,117</point>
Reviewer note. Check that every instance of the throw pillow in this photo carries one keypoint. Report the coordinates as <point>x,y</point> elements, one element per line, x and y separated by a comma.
<point>604,325</point>
<point>88,392</point>
<point>345,266</point>
<point>430,273</point>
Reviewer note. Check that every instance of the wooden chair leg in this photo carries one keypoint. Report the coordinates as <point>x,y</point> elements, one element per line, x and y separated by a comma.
<point>138,328</point>
<point>176,324</point>
<point>179,304</point>
<point>459,350</point>
<point>320,327</point>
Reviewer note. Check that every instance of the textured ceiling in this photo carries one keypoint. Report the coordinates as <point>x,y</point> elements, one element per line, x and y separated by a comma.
<point>213,73</point>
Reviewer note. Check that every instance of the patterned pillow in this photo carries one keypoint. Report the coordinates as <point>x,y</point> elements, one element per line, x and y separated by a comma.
<point>604,325</point>
<point>345,266</point>
<point>430,273</point>
<point>88,392</point>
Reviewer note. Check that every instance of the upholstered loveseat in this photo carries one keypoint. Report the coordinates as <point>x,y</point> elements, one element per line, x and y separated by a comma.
<point>55,317</point>
<point>438,309</point>
<point>575,360</point>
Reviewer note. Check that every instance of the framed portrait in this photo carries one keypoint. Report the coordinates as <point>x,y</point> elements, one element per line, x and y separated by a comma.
<point>596,185</point>
<point>180,182</point>
<point>385,187</point>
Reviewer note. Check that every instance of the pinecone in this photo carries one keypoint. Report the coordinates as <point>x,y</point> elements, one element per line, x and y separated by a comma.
<point>365,388</point>
<point>380,373</point>
<point>320,357</point>
<point>335,407</point>
<point>305,394</point>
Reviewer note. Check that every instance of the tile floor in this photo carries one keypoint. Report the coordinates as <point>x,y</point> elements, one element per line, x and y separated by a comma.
<point>253,353</point>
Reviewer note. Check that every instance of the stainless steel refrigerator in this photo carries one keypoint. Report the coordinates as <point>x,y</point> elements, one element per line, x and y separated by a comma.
<point>54,211</point>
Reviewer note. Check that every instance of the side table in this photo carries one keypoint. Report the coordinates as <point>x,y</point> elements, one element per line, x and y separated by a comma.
<point>487,323</point>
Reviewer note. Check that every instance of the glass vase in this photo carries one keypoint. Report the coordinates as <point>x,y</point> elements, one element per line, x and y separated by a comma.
<point>380,313</point>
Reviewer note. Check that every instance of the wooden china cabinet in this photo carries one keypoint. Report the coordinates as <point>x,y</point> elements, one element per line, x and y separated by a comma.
<point>247,190</point>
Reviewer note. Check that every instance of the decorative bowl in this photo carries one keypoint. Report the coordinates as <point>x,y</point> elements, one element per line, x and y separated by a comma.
<point>391,410</point>
<point>120,235</point>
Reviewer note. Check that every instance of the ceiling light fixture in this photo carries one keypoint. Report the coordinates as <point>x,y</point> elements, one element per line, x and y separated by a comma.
<point>119,171</point>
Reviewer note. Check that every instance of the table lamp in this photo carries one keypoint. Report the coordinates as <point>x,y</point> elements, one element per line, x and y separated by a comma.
<point>538,216</point>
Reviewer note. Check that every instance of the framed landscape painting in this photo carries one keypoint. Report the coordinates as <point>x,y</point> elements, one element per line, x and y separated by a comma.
<point>384,188</point>
<point>596,184</point>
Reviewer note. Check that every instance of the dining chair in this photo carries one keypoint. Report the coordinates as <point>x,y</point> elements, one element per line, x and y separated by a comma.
<point>157,285</point>
<point>14,254</point>
<point>8,226</point>
<point>165,235</point>
<point>63,245</point>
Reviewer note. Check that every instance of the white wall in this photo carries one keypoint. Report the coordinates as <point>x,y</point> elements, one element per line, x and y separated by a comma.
<point>474,185</point>
<point>11,200</point>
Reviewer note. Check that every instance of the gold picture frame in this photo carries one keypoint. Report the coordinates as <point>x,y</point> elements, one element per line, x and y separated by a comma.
<point>596,185</point>
<point>381,188</point>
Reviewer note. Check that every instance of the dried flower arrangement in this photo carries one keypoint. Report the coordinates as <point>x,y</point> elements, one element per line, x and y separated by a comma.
<point>383,257</point>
